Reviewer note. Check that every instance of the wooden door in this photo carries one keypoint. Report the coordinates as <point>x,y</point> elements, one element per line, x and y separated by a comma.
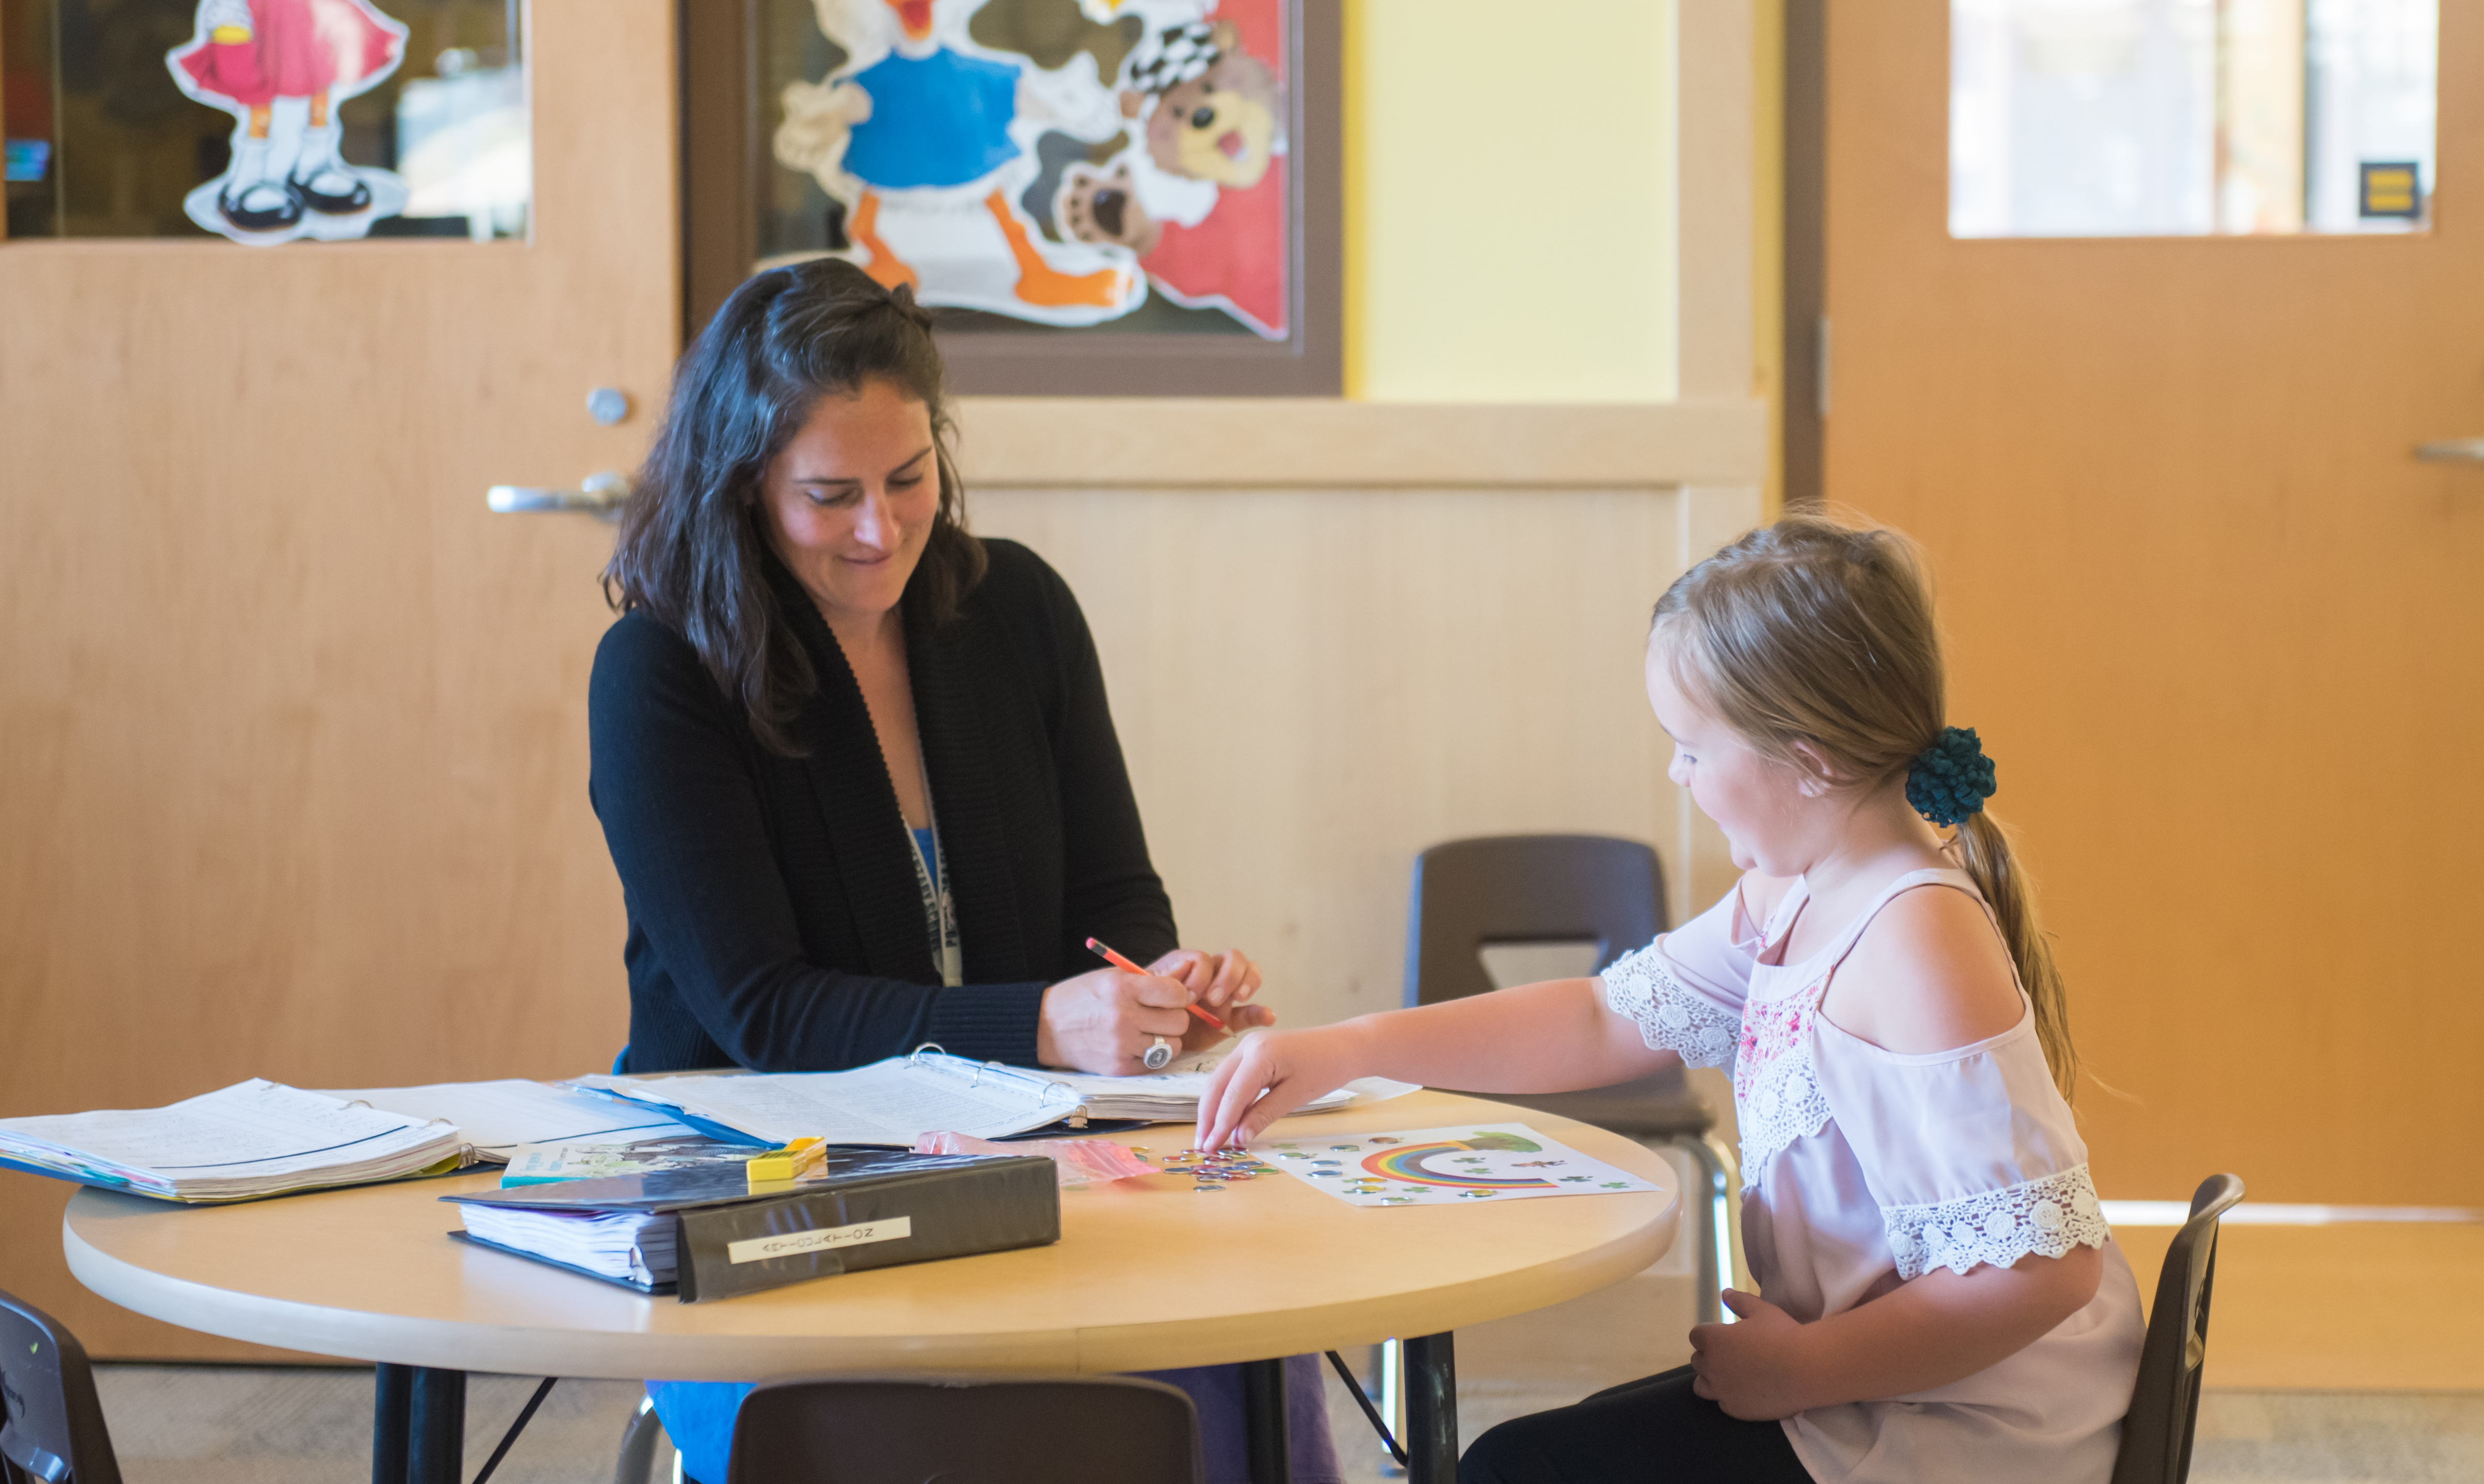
<point>2221,631</point>
<point>293,730</point>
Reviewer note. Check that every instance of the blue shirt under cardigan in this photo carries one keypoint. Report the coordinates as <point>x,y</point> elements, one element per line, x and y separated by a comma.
<point>774,921</point>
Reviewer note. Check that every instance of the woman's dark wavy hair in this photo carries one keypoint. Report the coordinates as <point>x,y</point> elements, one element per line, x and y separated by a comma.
<point>693,551</point>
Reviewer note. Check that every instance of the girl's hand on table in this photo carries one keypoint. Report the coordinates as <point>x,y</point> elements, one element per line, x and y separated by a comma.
<point>1752,1367</point>
<point>1269,1075</point>
<point>1104,1022</point>
<point>1223,984</point>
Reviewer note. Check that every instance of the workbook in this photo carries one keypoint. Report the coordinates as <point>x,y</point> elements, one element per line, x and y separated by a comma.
<point>893,1102</point>
<point>256,1138</point>
<point>549,1164</point>
<point>714,1232</point>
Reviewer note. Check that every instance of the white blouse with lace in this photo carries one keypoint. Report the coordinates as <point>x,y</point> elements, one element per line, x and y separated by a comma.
<point>1863,1168</point>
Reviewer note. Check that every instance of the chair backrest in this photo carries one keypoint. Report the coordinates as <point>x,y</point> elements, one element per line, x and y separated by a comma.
<point>2164,1403</point>
<point>966,1429</point>
<point>51,1424</point>
<point>1520,888</point>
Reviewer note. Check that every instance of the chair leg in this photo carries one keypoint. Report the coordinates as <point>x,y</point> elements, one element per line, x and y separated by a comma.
<point>1389,1361</point>
<point>1716,1234</point>
<point>637,1462</point>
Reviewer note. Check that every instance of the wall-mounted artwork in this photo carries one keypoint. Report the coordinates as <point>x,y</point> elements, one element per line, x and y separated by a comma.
<point>281,67</point>
<point>1101,196</point>
<point>267,122</point>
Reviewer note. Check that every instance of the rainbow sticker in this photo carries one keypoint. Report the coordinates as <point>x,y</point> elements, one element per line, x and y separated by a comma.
<point>1438,1165</point>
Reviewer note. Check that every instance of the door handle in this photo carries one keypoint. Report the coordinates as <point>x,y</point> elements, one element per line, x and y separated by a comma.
<point>2455,450</point>
<point>600,495</point>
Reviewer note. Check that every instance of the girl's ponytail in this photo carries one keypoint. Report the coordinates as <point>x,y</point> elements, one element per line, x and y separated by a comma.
<point>1983,848</point>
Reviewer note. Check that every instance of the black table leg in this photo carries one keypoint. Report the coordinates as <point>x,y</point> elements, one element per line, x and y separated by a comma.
<point>437,1438</point>
<point>392,1422</point>
<point>1431,1439</point>
<point>1265,1444</point>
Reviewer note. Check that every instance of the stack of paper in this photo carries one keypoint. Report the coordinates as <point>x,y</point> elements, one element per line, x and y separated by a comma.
<point>255,1138</point>
<point>631,1247</point>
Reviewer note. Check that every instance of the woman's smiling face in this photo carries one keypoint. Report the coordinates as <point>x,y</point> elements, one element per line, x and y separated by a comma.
<point>849,501</point>
<point>1769,813</point>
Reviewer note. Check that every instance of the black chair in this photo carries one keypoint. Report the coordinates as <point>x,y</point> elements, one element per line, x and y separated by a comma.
<point>967,1429</point>
<point>2164,1403</point>
<point>1470,894</point>
<point>51,1424</point>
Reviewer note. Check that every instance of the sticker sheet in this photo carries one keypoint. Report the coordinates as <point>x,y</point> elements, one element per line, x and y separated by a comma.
<point>1457,1166</point>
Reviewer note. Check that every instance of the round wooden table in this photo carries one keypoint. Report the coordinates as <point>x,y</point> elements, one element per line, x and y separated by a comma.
<point>1148,1274</point>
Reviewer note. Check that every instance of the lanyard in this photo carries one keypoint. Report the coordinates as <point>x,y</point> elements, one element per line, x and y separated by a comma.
<point>939,912</point>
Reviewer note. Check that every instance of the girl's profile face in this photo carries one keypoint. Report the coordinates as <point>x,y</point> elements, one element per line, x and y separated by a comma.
<point>1760,804</point>
<point>848,501</point>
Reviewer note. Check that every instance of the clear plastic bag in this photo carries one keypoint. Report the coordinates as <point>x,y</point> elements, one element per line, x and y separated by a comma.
<point>1076,1162</point>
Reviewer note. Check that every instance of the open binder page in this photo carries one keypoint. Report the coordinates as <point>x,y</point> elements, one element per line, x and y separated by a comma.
<point>497,1117</point>
<point>889,1102</point>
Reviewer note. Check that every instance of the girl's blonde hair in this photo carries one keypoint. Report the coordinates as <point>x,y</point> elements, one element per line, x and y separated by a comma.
<point>1814,641</point>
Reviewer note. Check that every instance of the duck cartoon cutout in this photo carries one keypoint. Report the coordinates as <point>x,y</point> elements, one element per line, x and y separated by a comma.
<point>926,136</point>
<point>281,67</point>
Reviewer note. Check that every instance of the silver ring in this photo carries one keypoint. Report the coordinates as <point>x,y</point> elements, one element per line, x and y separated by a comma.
<point>1157,1055</point>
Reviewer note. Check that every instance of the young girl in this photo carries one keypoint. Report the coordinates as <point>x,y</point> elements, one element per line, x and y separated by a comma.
<point>1939,1297</point>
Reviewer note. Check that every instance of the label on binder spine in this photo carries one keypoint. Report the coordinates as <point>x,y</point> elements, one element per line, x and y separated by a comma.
<point>818,1239</point>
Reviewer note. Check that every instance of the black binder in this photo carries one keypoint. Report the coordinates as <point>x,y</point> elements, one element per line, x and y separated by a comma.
<point>863,1209</point>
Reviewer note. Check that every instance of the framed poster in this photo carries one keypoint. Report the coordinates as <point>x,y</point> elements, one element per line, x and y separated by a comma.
<point>1096,197</point>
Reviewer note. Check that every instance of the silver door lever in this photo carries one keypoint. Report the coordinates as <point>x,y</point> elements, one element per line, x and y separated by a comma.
<point>598,495</point>
<point>2456,450</point>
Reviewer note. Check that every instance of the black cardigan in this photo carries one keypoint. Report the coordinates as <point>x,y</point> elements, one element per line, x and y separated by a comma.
<point>775,919</point>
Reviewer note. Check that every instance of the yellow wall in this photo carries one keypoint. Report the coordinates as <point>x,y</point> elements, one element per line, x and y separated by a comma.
<point>1510,200</point>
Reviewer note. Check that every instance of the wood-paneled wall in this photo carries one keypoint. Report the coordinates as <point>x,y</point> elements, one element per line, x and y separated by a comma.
<point>1313,684</point>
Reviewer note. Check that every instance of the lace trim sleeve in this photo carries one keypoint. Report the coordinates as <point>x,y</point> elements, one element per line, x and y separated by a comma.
<point>2043,1218</point>
<point>1670,1016</point>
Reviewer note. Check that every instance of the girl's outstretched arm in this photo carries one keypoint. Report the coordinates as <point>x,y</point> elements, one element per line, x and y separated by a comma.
<point>1544,1038</point>
<point>1939,1328</point>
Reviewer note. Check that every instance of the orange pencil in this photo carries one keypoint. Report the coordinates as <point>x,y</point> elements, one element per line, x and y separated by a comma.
<point>1096,947</point>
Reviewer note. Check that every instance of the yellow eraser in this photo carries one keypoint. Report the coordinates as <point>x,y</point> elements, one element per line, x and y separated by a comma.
<point>788,1162</point>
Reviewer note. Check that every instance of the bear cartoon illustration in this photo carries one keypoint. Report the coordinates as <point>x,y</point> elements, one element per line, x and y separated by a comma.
<point>1203,202</point>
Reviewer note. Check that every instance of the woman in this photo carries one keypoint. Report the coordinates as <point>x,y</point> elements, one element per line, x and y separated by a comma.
<point>856,768</point>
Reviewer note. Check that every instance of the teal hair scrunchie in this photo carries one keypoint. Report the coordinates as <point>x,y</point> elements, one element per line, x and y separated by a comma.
<point>1952,778</point>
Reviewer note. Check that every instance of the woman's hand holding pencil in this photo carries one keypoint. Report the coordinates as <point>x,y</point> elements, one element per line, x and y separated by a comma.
<point>1110,1019</point>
